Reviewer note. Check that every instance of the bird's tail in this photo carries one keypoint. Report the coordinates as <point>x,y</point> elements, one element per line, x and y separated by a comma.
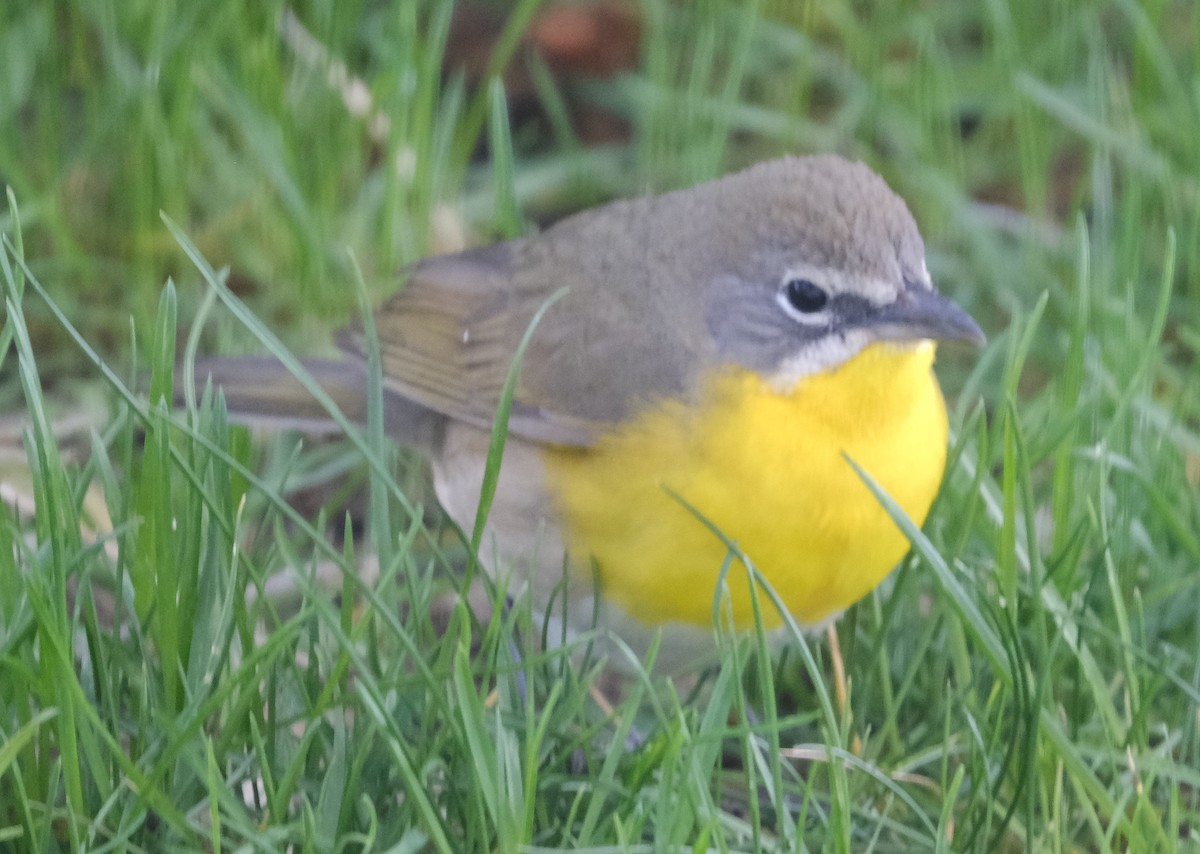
<point>260,390</point>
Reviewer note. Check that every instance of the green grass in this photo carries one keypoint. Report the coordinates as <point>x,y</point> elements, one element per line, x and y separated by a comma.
<point>189,662</point>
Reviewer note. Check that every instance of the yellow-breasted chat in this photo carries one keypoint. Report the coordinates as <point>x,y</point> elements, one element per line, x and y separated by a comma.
<point>718,354</point>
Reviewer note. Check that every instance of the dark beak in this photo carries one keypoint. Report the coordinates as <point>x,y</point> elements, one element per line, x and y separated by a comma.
<point>923,313</point>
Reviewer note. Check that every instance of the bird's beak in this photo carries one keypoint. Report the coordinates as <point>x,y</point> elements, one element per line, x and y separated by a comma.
<point>924,313</point>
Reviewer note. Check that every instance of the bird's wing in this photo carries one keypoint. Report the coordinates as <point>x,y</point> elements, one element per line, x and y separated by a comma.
<point>449,337</point>
<point>617,339</point>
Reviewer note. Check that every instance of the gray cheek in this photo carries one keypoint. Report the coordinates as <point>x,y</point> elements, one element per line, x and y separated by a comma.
<point>749,329</point>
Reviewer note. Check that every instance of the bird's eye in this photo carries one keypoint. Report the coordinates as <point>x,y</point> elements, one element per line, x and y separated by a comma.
<point>804,296</point>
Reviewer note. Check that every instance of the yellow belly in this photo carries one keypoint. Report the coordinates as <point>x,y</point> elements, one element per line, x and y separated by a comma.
<point>767,468</point>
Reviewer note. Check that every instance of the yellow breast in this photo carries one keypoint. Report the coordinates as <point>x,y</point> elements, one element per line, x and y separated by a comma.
<point>767,468</point>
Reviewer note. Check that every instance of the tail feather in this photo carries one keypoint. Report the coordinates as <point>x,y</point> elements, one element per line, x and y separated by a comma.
<point>260,390</point>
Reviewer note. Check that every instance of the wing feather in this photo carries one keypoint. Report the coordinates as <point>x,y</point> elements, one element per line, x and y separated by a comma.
<point>448,337</point>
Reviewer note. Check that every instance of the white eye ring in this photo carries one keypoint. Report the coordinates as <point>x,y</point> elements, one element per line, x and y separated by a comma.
<point>803,300</point>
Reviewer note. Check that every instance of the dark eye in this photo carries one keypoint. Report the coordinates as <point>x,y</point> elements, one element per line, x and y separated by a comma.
<point>804,296</point>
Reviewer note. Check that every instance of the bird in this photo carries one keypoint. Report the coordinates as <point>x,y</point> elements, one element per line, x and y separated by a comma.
<point>706,369</point>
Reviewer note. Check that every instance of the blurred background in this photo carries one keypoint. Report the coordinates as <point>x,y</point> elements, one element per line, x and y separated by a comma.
<point>1028,681</point>
<point>285,137</point>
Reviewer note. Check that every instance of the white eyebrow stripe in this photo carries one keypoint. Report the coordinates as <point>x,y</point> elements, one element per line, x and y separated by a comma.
<point>878,292</point>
